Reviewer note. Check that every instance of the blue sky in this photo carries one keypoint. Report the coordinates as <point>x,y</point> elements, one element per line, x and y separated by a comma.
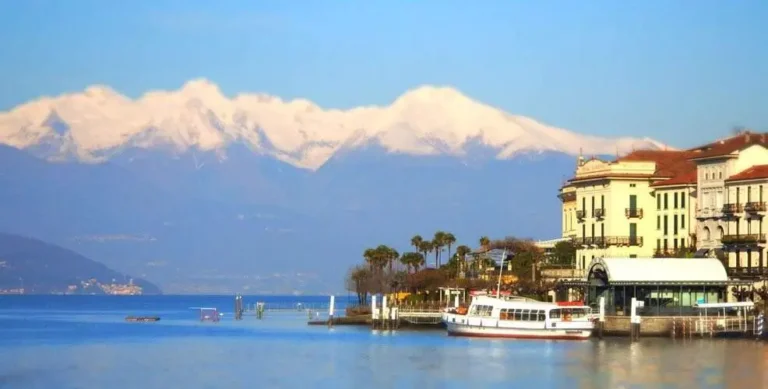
<point>682,71</point>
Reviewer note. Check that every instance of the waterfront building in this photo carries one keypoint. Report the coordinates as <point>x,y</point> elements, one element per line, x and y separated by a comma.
<point>665,286</point>
<point>732,175</point>
<point>616,207</point>
<point>654,203</point>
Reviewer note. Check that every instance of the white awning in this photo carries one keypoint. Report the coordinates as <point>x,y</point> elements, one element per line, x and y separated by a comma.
<point>660,269</point>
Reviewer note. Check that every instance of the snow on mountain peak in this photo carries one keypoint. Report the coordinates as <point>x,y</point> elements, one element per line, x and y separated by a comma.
<point>426,120</point>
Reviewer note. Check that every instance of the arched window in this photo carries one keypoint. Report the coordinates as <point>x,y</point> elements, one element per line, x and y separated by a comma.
<point>707,234</point>
<point>720,232</point>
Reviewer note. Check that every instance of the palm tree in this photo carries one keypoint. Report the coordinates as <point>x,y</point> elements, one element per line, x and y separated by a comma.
<point>449,239</point>
<point>412,260</point>
<point>370,258</point>
<point>438,242</point>
<point>462,252</point>
<point>386,256</point>
<point>416,242</point>
<point>485,242</point>
<point>426,247</point>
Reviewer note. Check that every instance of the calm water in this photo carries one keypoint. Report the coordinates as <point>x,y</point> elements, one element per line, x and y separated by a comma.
<point>83,342</point>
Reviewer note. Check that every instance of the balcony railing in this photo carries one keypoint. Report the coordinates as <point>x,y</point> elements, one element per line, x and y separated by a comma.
<point>634,213</point>
<point>732,208</point>
<point>755,207</point>
<point>747,272</point>
<point>561,271</point>
<point>743,239</point>
<point>580,214</point>
<point>604,241</point>
<point>599,213</point>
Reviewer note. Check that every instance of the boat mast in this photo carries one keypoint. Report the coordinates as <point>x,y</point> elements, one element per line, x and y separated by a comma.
<point>501,269</point>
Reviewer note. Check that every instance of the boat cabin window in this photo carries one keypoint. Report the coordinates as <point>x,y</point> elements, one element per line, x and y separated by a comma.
<point>568,313</point>
<point>481,310</point>
<point>522,314</point>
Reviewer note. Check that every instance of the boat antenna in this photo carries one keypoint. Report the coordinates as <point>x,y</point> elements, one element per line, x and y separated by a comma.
<point>501,269</point>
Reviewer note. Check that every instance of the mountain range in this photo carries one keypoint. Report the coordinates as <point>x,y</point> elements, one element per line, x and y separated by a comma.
<point>202,193</point>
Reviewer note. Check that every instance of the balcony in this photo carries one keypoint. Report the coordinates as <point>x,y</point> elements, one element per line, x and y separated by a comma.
<point>580,215</point>
<point>599,213</point>
<point>634,213</point>
<point>730,209</point>
<point>559,272</point>
<point>747,272</point>
<point>605,241</point>
<point>755,207</point>
<point>743,239</point>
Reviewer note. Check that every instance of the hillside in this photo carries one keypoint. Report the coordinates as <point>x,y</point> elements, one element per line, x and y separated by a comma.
<point>43,268</point>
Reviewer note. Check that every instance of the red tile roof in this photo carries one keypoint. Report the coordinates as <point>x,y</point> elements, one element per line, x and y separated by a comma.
<point>679,167</point>
<point>669,164</point>
<point>753,173</point>
<point>730,145</point>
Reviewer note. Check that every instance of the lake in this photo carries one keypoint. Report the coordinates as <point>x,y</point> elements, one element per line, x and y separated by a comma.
<point>84,342</point>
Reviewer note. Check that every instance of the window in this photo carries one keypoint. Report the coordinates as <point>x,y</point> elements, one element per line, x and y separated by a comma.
<point>633,255</point>
<point>593,206</point>
<point>720,175</point>
<point>666,224</point>
<point>666,201</point>
<point>583,205</point>
<point>682,200</point>
<point>682,221</point>
<point>554,314</point>
<point>749,194</point>
<point>658,222</point>
<point>665,245</point>
<point>675,198</point>
<point>593,231</point>
<point>761,193</point>
<point>674,222</point>
<point>658,244</point>
<point>602,203</point>
<point>674,244</point>
<point>583,232</point>
<point>602,230</point>
<point>632,185</point>
<point>682,243</point>
<point>658,201</point>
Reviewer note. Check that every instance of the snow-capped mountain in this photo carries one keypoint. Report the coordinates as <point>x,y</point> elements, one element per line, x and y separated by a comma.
<point>98,123</point>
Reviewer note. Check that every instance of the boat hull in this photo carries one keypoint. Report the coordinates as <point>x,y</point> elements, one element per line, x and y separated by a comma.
<point>455,329</point>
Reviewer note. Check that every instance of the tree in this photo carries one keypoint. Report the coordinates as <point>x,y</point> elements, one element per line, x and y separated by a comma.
<point>412,260</point>
<point>438,241</point>
<point>426,247</point>
<point>416,242</point>
<point>462,252</point>
<point>359,281</point>
<point>386,256</point>
<point>485,242</point>
<point>448,240</point>
<point>564,253</point>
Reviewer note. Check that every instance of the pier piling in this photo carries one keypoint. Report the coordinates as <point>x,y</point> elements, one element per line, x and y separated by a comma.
<point>601,318</point>
<point>330,311</point>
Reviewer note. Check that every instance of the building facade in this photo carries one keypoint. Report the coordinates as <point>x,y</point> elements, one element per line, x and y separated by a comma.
<point>617,211</point>
<point>710,199</point>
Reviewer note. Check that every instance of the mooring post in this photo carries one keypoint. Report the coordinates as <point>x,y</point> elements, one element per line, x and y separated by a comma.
<point>759,329</point>
<point>330,312</point>
<point>601,317</point>
<point>374,312</point>
<point>384,311</point>
<point>634,330</point>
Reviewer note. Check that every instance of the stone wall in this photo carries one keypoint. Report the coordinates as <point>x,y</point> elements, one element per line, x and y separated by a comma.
<point>650,325</point>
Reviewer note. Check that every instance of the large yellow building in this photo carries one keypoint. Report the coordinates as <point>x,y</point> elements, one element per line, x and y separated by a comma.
<point>616,208</point>
<point>657,202</point>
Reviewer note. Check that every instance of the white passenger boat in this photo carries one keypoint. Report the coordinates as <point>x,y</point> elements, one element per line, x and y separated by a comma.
<point>519,317</point>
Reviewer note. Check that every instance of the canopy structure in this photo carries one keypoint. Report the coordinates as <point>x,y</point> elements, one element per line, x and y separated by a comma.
<point>657,271</point>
